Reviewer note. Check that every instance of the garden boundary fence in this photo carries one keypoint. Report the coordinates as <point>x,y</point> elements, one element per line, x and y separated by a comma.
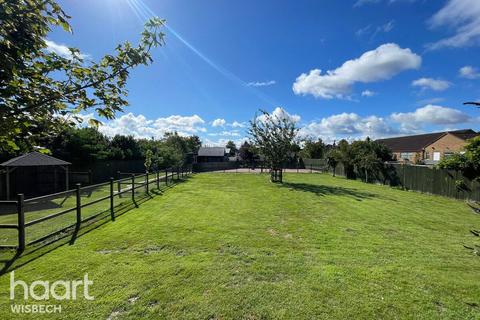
<point>22,215</point>
<point>426,179</point>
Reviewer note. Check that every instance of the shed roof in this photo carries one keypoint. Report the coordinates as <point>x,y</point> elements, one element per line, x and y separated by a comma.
<point>34,159</point>
<point>419,142</point>
<point>211,152</point>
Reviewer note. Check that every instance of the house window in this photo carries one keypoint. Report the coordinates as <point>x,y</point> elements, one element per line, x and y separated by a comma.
<point>407,155</point>
<point>448,154</point>
<point>427,155</point>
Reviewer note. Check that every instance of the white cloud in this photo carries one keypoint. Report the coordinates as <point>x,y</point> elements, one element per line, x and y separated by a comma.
<point>237,124</point>
<point>469,72</point>
<point>348,126</point>
<point>430,114</point>
<point>463,16</point>
<point>433,84</point>
<point>368,93</point>
<point>261,83</point>
<point>380,64</point>
<point>281,114</point>
<point>62,50</point>
<point>218,123</point>
<point>141,127</point>
<point>352,126</point>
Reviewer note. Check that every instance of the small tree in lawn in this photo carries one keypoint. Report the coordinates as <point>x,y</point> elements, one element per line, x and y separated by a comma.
<point>148,160</point>
<point>274,135</point>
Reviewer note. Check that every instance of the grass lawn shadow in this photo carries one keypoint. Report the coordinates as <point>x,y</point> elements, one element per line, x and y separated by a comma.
<point>324,190</point>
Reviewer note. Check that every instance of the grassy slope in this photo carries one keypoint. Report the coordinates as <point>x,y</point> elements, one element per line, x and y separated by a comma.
<point>236,246</point>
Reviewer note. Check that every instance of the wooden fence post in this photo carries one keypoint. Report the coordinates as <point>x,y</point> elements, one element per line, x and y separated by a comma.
<point>112,214</point>
<point>119,185</point>
<point>146,181</point>
<point>21,222</point>
<point>166,176</point>
<point>133,188</point>
<point>79,205</point>
<point>158,179</point>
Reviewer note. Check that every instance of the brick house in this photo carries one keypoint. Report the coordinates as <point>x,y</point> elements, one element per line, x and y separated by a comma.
<point>428,148</point>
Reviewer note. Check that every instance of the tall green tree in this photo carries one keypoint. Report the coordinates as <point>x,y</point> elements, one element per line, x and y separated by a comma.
<point>274,136</point>
<point>247,152</point>
<point>41,89</point>
<point>313,149</point>
<point>80,145</point>
<point>369,157</point>
<point>233,148</point>
<point>125,148</point>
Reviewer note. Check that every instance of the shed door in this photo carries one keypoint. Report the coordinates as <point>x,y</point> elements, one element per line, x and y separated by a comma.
<point>436,156</point>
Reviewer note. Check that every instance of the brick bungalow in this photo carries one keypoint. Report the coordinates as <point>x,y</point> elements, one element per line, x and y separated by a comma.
<point>429,148</point>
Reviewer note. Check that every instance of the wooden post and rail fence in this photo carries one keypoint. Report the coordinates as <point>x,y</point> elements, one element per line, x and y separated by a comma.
<point>132,184</point>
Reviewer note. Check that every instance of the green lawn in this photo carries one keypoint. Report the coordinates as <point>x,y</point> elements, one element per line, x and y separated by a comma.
<point>234,246</point>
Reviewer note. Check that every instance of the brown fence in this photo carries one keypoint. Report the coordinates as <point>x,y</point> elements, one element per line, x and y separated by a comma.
<point>448,183</point>
<point>31,221</point>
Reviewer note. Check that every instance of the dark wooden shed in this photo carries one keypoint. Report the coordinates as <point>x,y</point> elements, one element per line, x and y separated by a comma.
<point>35,174</point>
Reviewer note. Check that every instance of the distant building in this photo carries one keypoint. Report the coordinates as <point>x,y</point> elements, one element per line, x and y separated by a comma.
<point>428,148</point>
<point>212,154</point>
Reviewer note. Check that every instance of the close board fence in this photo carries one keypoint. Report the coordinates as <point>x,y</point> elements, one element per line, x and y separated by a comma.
<point>25,222</point>
<point>448,183</point>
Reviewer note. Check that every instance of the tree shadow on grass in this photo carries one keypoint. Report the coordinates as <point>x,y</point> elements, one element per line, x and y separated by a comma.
<point>324,190</point>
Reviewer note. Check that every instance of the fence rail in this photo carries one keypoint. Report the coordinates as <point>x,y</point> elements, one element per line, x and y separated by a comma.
<point>71,202</point>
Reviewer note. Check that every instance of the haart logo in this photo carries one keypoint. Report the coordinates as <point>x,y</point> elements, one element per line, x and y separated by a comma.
<point>44,290</point>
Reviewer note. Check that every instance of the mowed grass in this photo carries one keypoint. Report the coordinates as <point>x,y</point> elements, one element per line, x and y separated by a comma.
<point>235,246</point>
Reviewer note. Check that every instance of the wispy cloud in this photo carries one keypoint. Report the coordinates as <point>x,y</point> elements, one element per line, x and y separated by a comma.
<point>462,16</point>
<point>469,72</point>
<point>433,84</point>
<point>372,32</point>
<point>368,93</point>
<point>261,83</point>
<point>360,3</point>
<point>429,101</point>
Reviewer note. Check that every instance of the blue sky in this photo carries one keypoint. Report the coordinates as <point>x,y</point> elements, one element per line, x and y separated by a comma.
<point>341,69</point>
